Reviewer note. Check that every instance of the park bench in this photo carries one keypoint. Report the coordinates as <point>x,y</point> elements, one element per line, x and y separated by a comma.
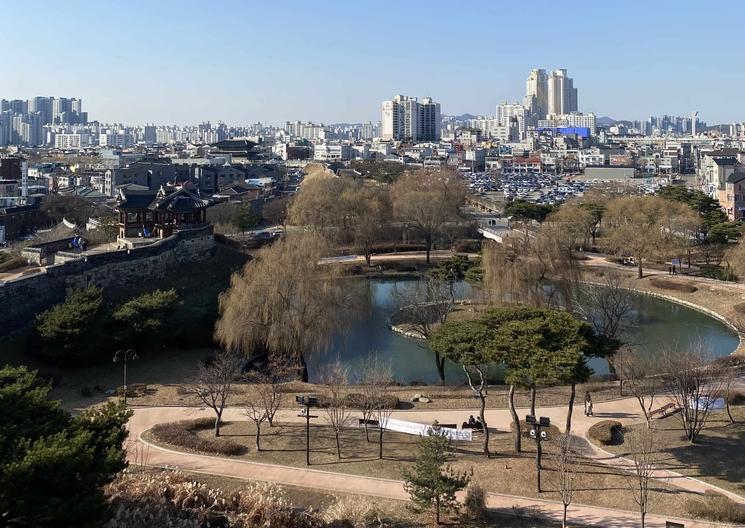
<point>362,422</point>
<point>664,411</point>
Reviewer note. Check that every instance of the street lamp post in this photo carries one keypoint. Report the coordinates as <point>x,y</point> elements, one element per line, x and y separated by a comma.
<point>307,402</point>
<point>538,435</point>
<point>125,356</point>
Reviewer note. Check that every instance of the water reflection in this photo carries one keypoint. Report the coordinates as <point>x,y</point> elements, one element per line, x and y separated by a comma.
<point>656,323</point>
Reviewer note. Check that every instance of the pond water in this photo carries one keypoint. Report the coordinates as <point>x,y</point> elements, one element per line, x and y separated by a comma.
<point>655,323</point>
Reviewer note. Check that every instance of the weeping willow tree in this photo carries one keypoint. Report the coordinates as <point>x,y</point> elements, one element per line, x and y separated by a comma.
<point>538,271</point>
<point>286,302</point>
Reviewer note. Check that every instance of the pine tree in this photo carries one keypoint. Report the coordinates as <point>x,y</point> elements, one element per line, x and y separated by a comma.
<point>432,483</point>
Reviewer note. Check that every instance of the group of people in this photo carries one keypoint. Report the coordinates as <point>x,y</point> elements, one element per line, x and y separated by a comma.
<point>473,423</point>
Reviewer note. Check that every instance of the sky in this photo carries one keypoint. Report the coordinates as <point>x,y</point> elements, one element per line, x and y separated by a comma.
<point>184,62</point>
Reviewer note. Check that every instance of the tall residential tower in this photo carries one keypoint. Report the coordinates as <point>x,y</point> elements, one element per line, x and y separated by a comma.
<point>405,118</point>
<point>562,95</point>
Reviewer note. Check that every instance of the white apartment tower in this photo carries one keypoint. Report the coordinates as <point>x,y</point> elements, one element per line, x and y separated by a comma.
<point>536,93</point>
<point>562,95</point>
<point>405,118</point>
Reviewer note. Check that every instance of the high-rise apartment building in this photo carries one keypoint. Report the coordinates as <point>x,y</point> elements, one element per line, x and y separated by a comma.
<point>536,93</point>
<point>562,95</point>
<point>405,118</point>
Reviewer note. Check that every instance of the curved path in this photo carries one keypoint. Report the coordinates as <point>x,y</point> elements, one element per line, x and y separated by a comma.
<point>143,452</point>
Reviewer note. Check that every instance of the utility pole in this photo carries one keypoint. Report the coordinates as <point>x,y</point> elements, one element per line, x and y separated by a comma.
<point>125,356</point>
<point>307,402</point>
<point>538,435</point>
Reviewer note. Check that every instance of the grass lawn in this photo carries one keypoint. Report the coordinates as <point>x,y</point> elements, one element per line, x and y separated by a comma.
<point>505,472</point>
<point>718,457</point>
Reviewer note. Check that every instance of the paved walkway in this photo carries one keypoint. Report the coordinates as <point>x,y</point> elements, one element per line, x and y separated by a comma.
<point>622,410</point>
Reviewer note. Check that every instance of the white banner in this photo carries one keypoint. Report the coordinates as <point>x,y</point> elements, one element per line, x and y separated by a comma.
<point>418,429</point>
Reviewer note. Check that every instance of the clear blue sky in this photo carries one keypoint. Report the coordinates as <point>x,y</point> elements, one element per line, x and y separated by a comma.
<point>186,61</point>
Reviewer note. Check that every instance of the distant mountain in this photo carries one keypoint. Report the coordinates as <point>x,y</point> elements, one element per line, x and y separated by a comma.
<point>605,121</point>
<point>462,117</point>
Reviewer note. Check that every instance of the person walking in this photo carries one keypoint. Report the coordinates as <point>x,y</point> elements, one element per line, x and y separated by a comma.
<point>588,404</point>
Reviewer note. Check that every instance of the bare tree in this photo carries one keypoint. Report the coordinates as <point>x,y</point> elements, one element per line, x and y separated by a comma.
<point>214,383</point>
<point>426,305</point>
<point>732,369</point>
<point>566,472</point>
<point>377,381</point>
<point>256,412</point>
<point>644,227</point>
<point>337,411</point>
<point>608,307</point>
<point>693,382</point>
<point>367,210</point>
<point>639,373</point>
<point>643,451</point>
<point>427,200</point>
<point>268,385</point>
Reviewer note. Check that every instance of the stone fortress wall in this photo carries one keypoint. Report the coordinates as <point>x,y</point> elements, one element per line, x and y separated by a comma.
<point>22,298</point>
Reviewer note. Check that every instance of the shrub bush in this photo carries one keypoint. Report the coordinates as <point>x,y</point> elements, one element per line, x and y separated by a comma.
<point>716,507</point>
<point>138,499</point>
<point>354,512</point>
<point>474,505</point>
<point>736,397</point>
<point>607,432</point>
<point>184,434</point>
<point>467,246</point>
<point>740,307</point>
<point>667,284</point>
<point>12,263</point>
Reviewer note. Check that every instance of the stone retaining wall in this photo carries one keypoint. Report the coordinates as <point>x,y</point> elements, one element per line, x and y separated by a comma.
<point>22,298</point>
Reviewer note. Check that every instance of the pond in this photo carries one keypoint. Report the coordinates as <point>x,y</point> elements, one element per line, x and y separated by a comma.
<point>655,323</point>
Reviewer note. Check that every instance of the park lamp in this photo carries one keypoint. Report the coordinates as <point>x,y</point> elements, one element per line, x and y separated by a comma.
<point>307,402</point>
<point>538,433</point>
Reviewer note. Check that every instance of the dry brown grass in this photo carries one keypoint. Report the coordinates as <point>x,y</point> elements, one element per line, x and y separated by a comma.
<point>718,458</point>
<point>505,472</point>
<point>716,507</point>
<point>667,284</point>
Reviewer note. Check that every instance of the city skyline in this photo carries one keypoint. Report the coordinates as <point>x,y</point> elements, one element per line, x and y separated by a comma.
<point>252,62</point>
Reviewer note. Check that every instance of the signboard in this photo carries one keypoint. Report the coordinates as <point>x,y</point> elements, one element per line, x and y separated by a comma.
<point>413,428</point>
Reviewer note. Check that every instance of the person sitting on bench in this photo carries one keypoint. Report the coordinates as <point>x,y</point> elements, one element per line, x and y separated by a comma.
<point>470,423</point>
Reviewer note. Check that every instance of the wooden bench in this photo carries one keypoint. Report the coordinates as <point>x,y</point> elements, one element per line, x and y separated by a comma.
<point>664,411</point>
<point>362,422</point>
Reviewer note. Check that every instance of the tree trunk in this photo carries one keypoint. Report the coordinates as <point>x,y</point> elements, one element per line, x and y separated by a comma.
<point>515,420</point>
<point>729,410</point>
<point>338,445</point>
<point>368,258</point>
<point>304,367</point>
<point>483,421</point>
<point>258,436</point>
<point>564,518</point>
<point>380,439</point>
<point>428,244</point>
<point>367,431</point>
<point>639,268</point>
<point>572,396</point>
<point>217,423</point>
<point>643,515</point>
<point>440,361</point>
<point>532,400</point>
